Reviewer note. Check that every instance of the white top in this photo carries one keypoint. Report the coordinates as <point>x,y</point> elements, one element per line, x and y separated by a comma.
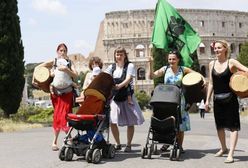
<point>118,71</point>
<point>61,79</point>
<point>201,105</point>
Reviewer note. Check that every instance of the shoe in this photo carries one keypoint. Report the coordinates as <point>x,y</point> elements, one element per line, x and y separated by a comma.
<point>118,147</point>
<point>127,149</point>
<point>55,148</point>
<point>164,148</point>
<point>229,160</point>
<point>221,153</point>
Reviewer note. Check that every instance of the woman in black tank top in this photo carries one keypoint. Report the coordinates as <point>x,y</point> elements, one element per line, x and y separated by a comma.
<point>226,113</point>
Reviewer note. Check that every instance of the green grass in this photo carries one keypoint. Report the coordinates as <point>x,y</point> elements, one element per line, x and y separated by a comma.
<point>8,125</point>
<point>244,113</point>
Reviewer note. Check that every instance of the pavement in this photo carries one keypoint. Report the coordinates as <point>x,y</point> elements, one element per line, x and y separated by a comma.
<point>32,149</point>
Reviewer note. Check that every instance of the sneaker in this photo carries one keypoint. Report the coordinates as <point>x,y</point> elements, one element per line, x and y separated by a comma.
<point>118,147</point>
<point>127,149</point>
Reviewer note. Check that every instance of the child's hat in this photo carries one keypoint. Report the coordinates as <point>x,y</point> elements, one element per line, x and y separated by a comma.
<point>96,71</point>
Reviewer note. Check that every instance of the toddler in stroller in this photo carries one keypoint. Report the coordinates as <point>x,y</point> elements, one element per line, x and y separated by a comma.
<point>165,121</point>
<point>90,121</point>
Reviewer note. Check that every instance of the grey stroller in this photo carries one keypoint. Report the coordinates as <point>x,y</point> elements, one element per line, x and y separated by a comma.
<point>165,121</point>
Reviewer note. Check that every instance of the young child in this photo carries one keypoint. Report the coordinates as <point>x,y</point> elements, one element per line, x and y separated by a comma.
<point>62,80</point>
<point>96,71</point>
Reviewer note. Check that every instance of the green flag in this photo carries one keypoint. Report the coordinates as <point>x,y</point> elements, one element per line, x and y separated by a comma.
<point>171,31</point>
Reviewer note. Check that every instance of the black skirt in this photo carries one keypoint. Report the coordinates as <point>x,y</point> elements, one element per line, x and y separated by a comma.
<point>227,115</point>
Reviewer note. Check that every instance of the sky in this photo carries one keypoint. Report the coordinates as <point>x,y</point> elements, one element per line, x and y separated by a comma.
<point>46,23</point>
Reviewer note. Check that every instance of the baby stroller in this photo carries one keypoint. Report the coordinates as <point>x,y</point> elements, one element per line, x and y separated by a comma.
<point>165,120</point>
<point>90,122</point>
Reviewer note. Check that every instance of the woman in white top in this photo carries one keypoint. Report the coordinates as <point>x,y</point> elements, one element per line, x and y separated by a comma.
<point>122,113</point>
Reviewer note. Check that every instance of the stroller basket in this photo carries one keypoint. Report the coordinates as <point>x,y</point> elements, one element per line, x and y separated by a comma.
<point>163,130</point>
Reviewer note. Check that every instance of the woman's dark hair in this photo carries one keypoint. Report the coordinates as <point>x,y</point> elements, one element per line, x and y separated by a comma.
<point>62,45</point>
<point>178,55</point>
<point>96,60</point>
<point>121,50</point>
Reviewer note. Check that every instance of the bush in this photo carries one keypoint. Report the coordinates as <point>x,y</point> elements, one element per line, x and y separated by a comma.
<point>143,99</point>
<point>32,114</point>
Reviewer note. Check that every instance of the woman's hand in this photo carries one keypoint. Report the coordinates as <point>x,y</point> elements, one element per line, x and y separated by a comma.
<point>207,107</point>
<point>117,87</point>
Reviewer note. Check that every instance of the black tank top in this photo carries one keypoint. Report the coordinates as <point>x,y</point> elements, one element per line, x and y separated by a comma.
<point>221,80</point>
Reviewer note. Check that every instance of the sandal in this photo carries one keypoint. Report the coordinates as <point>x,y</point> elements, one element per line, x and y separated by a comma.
<point>127,149</point>
<point>118,147</point>
<point>221,152</point>
<point>55,148</point>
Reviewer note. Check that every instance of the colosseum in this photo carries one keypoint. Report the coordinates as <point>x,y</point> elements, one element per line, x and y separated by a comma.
<point>133,29</point>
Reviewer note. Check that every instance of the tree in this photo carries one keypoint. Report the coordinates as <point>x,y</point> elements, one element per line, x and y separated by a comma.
<point>159,60</point>
<point>11,58</point>
<point>29,70</point>
<point>243,55</point>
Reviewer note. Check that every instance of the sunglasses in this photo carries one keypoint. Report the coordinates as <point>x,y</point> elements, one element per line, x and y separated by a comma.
<point>173,52</point>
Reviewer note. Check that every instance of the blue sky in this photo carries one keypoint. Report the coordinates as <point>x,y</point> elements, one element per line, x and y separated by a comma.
<point>46,23</point>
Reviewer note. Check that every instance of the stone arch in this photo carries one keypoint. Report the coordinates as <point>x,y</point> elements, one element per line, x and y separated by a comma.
<point>203,70</point>
<point>140,50</point>
<point>141,73</point>
<point>202,48</point>
<point>232,47</point>
<point>240,45</point>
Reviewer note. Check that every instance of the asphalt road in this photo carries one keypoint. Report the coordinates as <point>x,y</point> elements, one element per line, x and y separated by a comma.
<point>31,149</point>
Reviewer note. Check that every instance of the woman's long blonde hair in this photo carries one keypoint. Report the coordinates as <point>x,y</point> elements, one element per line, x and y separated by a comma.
<point>226,45</point>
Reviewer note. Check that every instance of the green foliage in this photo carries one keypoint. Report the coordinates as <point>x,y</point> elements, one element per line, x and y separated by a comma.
<point>143,99</point>
<point>196,65</point>
<point>29,69</point>
<point>11,58</point>
<point>243,55</point>
<point>33,114</point>
<point>80,79</point>
<point>159,60</point>
<point>46,116</point>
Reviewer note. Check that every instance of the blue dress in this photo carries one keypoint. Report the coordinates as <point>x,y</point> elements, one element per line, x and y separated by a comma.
<point>176,79</point>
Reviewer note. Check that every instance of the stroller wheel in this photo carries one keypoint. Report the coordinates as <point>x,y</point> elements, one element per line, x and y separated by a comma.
<point>62,153</point>
<point>96,156</point>
<point>88,155</point>
<point>178,154</point>
<point>111,151</point>
<point>68,154</point>
<point>171,154</point>
<point>155,150</point>
<point>149,152</point>
<point>143,152</point>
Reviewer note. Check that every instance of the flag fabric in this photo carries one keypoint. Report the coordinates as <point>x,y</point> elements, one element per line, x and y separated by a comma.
<point>171,31</point>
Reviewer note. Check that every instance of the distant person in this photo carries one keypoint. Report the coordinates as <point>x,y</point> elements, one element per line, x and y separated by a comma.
<point>226,106</point>
<point>61,93</point>
<point>201,107</point>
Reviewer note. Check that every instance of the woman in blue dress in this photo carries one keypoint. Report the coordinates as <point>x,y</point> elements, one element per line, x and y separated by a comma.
<point>173,74</point>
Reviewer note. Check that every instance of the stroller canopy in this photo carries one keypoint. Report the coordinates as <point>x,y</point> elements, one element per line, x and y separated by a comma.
<point>166,93</point>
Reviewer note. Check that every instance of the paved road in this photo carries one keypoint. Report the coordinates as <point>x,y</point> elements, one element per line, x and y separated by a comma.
<point>31,149</point>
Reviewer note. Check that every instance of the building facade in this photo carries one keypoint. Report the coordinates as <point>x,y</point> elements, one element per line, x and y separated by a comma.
<point>133,30</point>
